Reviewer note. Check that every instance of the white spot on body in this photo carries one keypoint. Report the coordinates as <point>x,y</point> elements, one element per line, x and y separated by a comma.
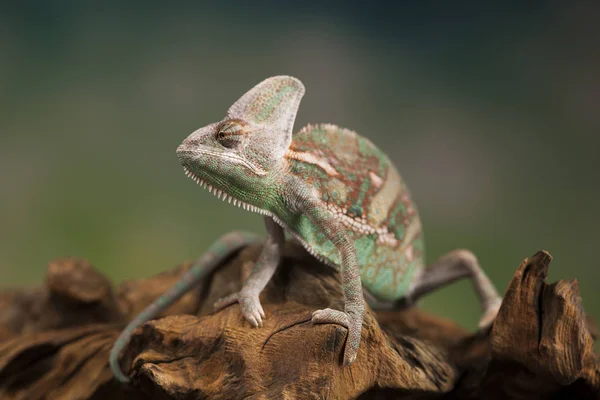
<point>383,201</point>
<point>313,159</point>
<point>360,225</point>
<point>375,179</point>
<point>408,253</point>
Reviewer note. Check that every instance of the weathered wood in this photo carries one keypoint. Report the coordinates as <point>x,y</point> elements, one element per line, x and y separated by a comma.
<point>55,339</point>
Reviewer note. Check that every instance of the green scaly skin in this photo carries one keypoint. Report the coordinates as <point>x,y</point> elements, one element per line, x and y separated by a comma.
<point>333,191</point>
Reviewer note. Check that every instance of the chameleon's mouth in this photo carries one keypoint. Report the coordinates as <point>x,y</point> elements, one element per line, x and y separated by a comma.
<point>222,195</point>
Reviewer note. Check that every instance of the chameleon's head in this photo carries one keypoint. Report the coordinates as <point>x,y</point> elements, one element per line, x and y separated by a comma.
<point>236,156</point>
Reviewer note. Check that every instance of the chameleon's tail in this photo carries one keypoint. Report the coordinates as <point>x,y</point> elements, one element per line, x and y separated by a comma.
<point>214,256</point>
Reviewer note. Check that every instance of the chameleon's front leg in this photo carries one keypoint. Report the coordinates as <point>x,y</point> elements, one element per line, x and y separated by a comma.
<point>263,270</point>
<point>352,316</point>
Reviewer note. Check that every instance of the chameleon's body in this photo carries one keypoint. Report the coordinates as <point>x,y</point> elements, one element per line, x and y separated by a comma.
<point>328,187</point>
<point>359,185</point>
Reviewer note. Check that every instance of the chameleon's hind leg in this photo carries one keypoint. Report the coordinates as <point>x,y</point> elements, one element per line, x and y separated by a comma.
<point>382,305</point>
<point>218,252</point>
<point>452,266</point>
<point>263,270</point>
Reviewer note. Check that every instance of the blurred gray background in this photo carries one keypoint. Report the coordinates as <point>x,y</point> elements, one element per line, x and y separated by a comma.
<point>490,112</point>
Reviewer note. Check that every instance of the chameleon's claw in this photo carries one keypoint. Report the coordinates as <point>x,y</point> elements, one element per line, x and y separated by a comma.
<point>330,316</point>
<point>250,307</point>
<point>253,321</point>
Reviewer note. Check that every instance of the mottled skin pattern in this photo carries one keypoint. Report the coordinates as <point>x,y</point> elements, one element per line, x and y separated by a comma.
<point>361,187</point>
<point>332,190</point>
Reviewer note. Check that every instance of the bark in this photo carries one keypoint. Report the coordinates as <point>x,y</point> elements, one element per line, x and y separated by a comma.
<point>55,340</point>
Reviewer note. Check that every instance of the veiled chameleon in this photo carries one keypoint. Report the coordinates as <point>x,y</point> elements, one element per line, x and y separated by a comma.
<point>329,188</point>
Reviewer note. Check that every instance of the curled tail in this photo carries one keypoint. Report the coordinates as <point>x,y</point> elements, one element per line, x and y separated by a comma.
<point>214,256</point>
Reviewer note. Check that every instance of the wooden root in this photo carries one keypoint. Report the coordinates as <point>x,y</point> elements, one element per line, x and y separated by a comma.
<point>55,340</point>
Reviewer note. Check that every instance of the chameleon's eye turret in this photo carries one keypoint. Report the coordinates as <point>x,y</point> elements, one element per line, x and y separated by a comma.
<point>231,133</point>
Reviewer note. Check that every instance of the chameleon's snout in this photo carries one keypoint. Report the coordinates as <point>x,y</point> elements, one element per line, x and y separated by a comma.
<point>182,150</point>
<point>191,145</point>
<point>186,149</point>
<point>185,154</point>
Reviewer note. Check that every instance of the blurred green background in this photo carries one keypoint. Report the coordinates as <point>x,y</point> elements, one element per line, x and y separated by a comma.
<point>490,112</point>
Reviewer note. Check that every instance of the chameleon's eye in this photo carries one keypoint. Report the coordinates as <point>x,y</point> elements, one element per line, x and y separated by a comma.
<point>230,134</point>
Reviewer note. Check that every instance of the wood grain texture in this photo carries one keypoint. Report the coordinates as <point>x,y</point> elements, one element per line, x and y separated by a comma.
<point>55,339</point>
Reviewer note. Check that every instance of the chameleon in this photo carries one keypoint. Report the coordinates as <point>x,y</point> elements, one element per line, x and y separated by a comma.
<point>330,189</point>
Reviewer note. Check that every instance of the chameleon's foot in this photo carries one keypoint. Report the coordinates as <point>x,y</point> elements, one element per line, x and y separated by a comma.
<point>250,307</point>
<point>329,316</point>
<point>489,315</point>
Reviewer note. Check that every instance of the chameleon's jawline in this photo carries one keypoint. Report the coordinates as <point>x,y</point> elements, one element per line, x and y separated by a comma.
<point>249,207</point>
<point>222,195</point>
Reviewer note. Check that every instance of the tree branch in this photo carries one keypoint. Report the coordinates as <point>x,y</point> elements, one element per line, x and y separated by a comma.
<point>55,339</point>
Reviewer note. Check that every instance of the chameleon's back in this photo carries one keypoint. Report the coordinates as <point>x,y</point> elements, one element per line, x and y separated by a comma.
<point>363,189</point>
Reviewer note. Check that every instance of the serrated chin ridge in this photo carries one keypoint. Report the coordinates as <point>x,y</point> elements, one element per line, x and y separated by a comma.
<point>222,195</point>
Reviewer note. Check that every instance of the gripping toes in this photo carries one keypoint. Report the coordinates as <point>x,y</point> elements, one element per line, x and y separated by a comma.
<point>250,306</point>
<point>329,316</point>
